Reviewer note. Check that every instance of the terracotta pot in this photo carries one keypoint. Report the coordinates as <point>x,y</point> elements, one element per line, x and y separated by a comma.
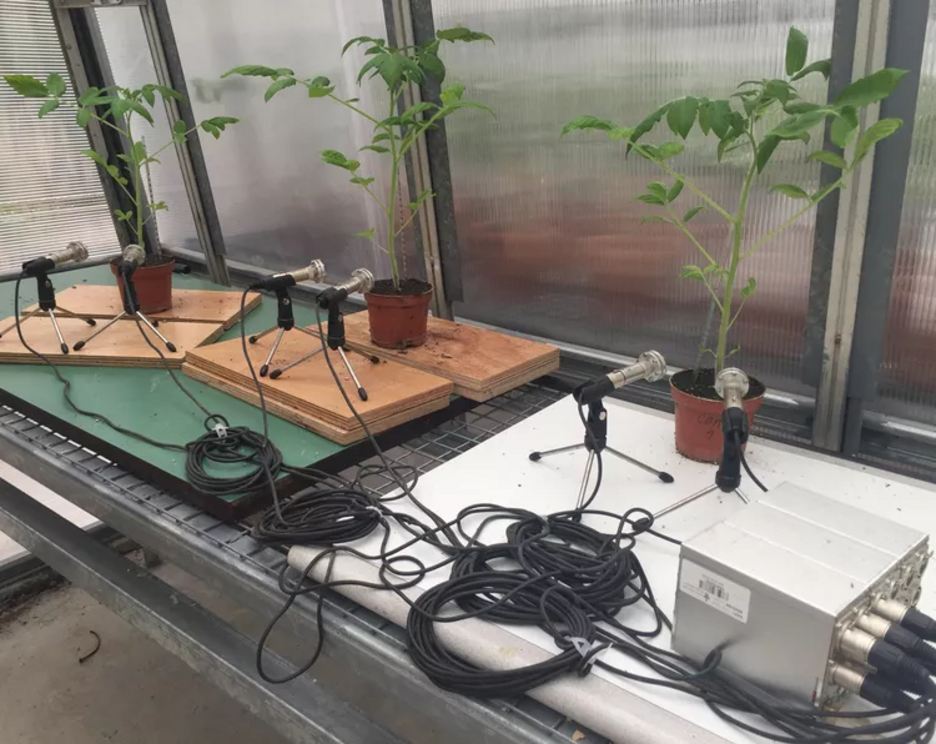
<point>698,423</point>
<point>398,321</point>
<point>153,285</point>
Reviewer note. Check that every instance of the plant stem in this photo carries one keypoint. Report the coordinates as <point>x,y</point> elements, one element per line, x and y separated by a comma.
<point>737,232</point>
<point>357,110</point>
<point>139,201</point>
<point>391,202</point>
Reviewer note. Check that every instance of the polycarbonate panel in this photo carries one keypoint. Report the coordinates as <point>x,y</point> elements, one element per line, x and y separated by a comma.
<point>132,67</point>
<point>907,386</point>
<point>278,204</point>
<point>550,232</point>
<point>50,194</point>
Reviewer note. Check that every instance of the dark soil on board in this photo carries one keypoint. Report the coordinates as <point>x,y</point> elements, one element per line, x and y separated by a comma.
<point>702,385</point>
<point>407,287</point>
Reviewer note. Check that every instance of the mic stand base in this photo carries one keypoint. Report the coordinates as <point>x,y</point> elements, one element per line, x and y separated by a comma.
<point>596,436</point>
<point>48,307</point>
<point>265,367</point>
<point>138,316</point>
<point>694,497</point>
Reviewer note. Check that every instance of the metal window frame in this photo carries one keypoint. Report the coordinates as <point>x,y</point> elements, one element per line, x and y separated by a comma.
<point>84,54</point>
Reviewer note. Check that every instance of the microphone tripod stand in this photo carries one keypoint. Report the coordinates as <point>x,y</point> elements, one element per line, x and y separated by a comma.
<point>131,310</point>
<point>596,442</point>
<point>336,341</point>
<point>48,306</point>
<point>285,321</point>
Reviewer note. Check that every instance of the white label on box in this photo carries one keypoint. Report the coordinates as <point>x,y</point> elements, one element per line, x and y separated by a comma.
<point>716,591</point>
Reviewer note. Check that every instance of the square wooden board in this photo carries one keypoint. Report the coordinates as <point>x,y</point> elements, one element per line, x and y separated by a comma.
<point>192,305</point>
<point>310,389</point>
<point>121,345</point>
<point>482,363</point>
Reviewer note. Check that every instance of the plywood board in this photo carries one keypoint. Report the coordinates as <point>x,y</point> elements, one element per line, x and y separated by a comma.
<point>193,305</point>
<point>121,345</point>
<point>317,425</point>
<point>310,389</point>
<point>481,363</point>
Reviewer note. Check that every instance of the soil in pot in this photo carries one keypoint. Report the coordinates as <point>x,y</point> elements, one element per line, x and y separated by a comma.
<point>153,282</point>
<point>698,413</point>
<point>398,317</point>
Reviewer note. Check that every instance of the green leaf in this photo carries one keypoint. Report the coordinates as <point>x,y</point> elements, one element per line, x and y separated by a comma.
<point>158,206</point>
<point>89,97</point>
<point>418,108</point>
<point>789,189</point>
<point>460,33</point>
<point>720,117</point>
<point>675,191</point>
<point>252,71</point>
<point>95,156</point>
<point>138,152</point>
<point>764,150</point>
<point>211,129</point>
<point>802,107</point>
<point>82,117</point>
<point>797,46</point>
<point>648,123</point>
<point>333,157</point>
<point>705,117</point>
<point>166,92</point>
<point>369,234</point>
<point>748,289</point>
<point>119,108</point>
<point>823,65</point>
<point>452,93</point>
<point>27,86</point>
<point>829,158</point>
<point>431,64</point>
<point>56,84</point>
<point>123,216</point>
<point>394,67</point>
<point>140,109</point>
<point>48,107</point>
<point>277,86</point>
<point>692,213</point>
<point>425,194</point>
<point>669,150</point>
<point>681,115</point>
<point>723,146</point>
<point>690,271</point>
<point>620,133</point>
<point>319,87</point>
<point>376,148</point>
<point>793,127</point>
<point>221,122</point>
<point>362,181</point>
<point>179,130</point>
<point>362,40</point>
<point>845,126</point>
<point>870,89</point>
<point>658,189</point>
<point>467,104</point>
<point>651,199</point>
<point>148,95</point>
<point>779,89</point>
<point>587,123</point>
<point>875,133</point>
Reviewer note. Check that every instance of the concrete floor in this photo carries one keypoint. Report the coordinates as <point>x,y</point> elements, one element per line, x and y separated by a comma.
<point>131,691</point>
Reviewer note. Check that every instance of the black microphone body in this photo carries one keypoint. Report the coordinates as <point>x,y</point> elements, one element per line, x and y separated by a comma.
<point>732,384</point>
<point>75,251</point>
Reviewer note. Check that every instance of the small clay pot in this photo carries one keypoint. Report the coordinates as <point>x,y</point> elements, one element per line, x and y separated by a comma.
<point>698,420</point>
<point>398,320</point>
<point>153,284</point>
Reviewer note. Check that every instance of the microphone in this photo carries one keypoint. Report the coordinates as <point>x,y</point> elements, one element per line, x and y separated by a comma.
<point>732,385</point>
<point>361,281</point>
<point>650,366</point>
<point>314,272</point>
<point>132,258</point>
<point>75,252</point>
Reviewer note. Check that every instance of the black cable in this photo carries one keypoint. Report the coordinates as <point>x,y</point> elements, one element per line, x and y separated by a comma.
<point>747,468</point>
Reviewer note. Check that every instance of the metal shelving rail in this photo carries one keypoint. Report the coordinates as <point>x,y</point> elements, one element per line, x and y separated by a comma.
<point>244,570</point>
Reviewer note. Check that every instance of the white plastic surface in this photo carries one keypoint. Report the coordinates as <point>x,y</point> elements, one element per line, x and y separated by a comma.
<point>499,471</point>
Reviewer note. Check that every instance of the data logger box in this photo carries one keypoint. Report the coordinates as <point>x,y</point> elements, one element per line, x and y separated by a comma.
<point>777,582</point>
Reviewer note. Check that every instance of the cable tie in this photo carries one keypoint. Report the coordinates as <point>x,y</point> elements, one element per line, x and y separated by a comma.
<point>589,650</point>
<point>221,430</point>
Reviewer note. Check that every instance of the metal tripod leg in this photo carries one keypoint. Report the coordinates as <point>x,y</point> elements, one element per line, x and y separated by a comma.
<point>267,332</point>
<point>583,489</point>
<point>266,365</point>
<point>69,314</point>
<point>663,476</point>
<point>537,456</point>
<point>58,332</point>
<point>693,497</point>
<point>344,357</point>
<point>152,327</point>
<point>277,372</point>
<point>81,344</point>
<point>23,316</point>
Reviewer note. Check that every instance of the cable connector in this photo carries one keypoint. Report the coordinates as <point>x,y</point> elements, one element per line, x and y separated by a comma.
<point>220,429</point>
<point>909,617</point>
<point>872,688</point>
<point>857,645</point>
<point>899,637</point>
